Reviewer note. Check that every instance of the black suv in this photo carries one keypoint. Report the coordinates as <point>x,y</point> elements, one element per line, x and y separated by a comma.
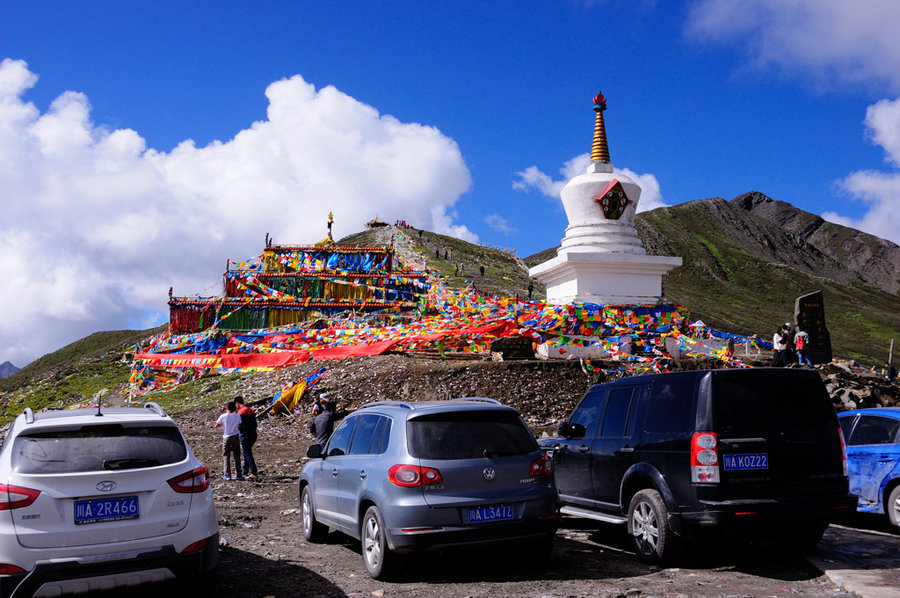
<point>671,454</point>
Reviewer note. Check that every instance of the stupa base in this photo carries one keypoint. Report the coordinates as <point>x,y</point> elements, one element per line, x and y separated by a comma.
<point>604,278</point>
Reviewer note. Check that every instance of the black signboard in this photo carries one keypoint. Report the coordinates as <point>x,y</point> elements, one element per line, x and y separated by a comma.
<point>809,314</point>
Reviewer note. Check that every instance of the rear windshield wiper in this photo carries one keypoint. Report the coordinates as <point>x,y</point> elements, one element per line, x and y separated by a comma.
<point>129,463</point>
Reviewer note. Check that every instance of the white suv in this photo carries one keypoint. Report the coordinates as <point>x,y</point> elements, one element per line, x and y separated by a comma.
<point>96,499</point>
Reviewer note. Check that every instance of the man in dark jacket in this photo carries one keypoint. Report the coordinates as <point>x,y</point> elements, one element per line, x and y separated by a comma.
<point>323,425</point>
<point>248,436</point>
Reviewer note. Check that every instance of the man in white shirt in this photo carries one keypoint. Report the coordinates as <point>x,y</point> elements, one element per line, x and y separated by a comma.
<point>230,422</point>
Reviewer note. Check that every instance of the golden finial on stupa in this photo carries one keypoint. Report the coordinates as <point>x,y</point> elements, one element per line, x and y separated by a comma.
<point>599,149</point>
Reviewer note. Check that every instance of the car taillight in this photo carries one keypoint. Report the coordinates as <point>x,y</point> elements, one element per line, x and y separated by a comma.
<point>704,458</point>
<point>10,569</point>
<point>196,546</point>
<point>542,466</point>
<point>409,476</point>
<point>843,449</point>
<point>192,481</point>
<point>16,497</point>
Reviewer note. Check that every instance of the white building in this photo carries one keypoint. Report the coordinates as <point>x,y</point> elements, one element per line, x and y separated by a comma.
<point>601,259</point>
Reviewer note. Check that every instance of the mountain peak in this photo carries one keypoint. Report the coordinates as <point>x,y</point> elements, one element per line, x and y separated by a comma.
<point>7,369</point>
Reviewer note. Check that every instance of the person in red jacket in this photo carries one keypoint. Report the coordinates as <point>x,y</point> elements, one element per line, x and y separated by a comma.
<point>248,436</point>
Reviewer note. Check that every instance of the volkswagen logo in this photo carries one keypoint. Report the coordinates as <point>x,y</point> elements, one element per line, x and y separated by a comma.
<point>489,473</point>
<point>107,486</point>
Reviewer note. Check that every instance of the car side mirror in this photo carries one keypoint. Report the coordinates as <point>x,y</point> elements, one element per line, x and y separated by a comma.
<point>563,429</point>
<point>572,430</point>
<point>314,452</point>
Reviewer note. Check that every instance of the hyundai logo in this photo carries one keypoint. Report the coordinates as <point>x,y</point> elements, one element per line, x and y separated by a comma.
<point>489,473</point>
<point>107,486</point>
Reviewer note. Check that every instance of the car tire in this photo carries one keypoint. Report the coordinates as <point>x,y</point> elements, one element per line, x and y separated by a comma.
<point>540,551</point>
<point>204,584</point>
<point>377,556</point>
<point>802,538</point>
<point>648,525</point>
<point>892,506</point>
<point>313,531</point>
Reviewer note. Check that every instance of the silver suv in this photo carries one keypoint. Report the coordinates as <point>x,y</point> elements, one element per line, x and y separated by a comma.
<point>93,500</point>
<point>403,477</point>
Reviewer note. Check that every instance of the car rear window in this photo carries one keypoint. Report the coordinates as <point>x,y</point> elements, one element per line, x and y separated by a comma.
<point>748,403</point>
<point>469,434</point>
<point>98,448</point>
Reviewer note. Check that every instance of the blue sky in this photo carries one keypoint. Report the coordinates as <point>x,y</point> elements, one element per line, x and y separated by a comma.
<point>142,144</point>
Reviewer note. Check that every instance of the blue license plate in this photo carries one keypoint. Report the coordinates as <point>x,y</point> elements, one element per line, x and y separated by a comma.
<point>746,462</point>
<point>106,509</point>
<point>489,513</point>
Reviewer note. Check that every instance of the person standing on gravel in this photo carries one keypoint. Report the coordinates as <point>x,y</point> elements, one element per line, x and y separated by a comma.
<point>248,436</point>
<point>230,423</point>
<point>801,345</point>
<point>779,344</point>
<point>323,425</point>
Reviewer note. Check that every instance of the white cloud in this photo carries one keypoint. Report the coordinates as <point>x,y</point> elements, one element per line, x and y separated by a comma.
<point>879,190</point>
<point>499,224</point>
<point>830,41</point>
<point>533,178</point>
<point>96,226</point>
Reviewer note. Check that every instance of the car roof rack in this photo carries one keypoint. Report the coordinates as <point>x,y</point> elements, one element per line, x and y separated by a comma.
<point>478,399</point>
<point>29,415</point>
<point>155,407</point>
<point>387,404</point>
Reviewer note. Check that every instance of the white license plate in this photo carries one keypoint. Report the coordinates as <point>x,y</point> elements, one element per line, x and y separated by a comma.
<point>489,513</point>
<point>746,461</point>
<point>106,509</point>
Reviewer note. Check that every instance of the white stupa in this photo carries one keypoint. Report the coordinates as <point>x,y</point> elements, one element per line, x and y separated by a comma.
<point>601,259</point>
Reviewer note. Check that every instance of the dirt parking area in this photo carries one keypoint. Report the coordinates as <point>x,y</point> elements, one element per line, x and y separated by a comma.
<point>263,553</point>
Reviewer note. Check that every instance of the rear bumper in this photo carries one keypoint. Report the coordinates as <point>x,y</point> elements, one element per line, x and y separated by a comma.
<point>447,536</point>
<point>762,515</point>
<point>107,572</point>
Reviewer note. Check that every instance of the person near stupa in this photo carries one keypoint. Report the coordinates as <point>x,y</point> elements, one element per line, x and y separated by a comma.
<point>779,344</point>
<point>248,435</point>
<point>801,345</point>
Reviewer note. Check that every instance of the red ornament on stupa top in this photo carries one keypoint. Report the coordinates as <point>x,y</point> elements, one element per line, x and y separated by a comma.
<point>599,149</point>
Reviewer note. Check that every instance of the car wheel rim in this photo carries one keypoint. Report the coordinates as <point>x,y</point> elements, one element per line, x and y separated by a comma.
<point>372,542</point>
<point>307,513</point>
<point>645,528</point>
<point>896,508</point>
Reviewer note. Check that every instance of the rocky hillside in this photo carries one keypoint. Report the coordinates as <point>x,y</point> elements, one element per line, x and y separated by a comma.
<point>875,261</point>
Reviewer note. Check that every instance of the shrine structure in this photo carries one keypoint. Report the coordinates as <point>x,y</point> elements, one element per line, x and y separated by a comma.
<point>601,259</point>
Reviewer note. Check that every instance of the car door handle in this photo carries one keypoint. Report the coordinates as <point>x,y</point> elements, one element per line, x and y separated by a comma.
<point>625,450</point>
<point>583,448</point>
<point>363,474</point>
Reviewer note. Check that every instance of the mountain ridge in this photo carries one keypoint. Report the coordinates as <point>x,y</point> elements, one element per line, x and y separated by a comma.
<point>877,260</point>
<point>7,369</point>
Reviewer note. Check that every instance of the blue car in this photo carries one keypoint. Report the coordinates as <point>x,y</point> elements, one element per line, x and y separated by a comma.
<point>873,459</point>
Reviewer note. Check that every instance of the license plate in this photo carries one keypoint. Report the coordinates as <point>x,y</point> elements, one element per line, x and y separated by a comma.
<point>106,509</point>
<point>746,462</point>
<point>489,513</point>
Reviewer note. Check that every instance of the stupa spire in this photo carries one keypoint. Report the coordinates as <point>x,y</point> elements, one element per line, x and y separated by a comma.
<point>599,149</point>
